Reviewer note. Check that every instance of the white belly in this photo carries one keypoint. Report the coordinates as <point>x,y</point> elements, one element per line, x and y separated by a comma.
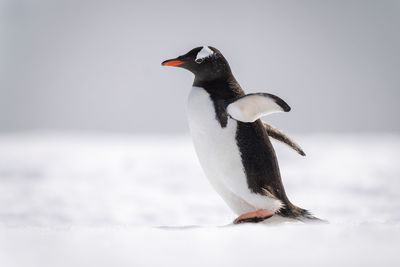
<point>219,156</point>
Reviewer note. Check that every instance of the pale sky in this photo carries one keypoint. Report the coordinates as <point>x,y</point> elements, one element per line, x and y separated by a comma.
<point>95,65</point>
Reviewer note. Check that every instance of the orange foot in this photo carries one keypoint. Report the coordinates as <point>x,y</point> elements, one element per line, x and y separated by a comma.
<point>255,216</point>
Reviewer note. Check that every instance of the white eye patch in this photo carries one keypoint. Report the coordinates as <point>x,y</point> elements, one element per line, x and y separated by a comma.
<point>203,53</point>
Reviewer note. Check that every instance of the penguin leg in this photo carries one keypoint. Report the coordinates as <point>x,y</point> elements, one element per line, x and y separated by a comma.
<point>254,216</point>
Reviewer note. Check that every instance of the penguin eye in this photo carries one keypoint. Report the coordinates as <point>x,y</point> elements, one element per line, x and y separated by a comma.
<point>199,60</point>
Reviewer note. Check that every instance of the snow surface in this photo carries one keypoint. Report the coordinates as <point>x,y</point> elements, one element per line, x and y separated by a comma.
<point>114,200</point>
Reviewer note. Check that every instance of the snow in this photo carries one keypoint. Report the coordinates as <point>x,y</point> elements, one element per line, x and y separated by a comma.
<point>118,200</point>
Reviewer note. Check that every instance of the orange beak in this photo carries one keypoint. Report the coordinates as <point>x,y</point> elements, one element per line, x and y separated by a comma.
<point>172,62</point>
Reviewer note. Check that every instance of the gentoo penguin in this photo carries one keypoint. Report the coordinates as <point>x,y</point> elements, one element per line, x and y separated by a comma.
<point>232,143</point>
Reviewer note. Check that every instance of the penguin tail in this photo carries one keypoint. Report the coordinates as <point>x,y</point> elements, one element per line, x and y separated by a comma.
<point>297,213</point>
<point>307,217</point>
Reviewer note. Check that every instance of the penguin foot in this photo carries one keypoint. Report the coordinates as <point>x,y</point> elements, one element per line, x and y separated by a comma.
<point>254,217</point>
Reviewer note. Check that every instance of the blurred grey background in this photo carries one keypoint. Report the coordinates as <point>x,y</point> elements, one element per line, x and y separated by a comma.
<point>95,65</point>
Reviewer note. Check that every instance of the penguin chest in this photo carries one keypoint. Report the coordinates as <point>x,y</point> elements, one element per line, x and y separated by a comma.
<point>219,155</point>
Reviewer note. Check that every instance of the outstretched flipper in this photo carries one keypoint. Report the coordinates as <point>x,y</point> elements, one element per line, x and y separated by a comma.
<point>280,136</point>
<point>251,107</point>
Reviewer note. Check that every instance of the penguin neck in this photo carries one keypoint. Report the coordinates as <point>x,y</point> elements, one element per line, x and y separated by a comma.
<point>223,88</point>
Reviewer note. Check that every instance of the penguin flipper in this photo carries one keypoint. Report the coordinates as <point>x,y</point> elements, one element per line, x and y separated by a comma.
<point>281,137</point>
<point>251,107</point>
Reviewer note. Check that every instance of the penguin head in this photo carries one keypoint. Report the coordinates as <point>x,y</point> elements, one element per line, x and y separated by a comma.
<point>205,62</point>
